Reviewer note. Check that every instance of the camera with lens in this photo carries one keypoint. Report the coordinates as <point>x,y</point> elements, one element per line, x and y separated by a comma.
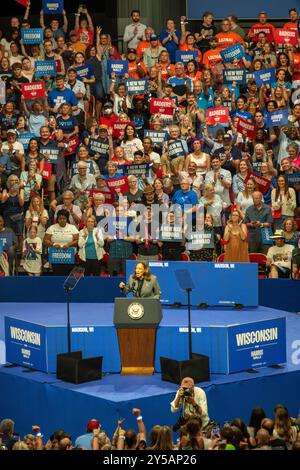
<point>187,392</point>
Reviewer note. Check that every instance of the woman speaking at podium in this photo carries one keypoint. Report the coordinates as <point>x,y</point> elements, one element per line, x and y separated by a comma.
<point>142,283</point>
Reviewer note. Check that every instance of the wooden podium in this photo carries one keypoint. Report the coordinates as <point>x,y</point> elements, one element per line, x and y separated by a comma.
<point>136,320</point>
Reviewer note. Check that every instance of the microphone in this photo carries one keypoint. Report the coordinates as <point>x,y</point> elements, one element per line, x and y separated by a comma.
<point>133,289</point>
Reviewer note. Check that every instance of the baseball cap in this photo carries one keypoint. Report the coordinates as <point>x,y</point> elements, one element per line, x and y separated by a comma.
<point>278,234</point>
<point>103,127</point>
<point>227,136</point>
<point>108,104</point>
<point>72,69</point>
<point>92,424</point>
<point>73,33</point>
<point>153,37</point>
<point>131,51</point>
<point>11,131</point>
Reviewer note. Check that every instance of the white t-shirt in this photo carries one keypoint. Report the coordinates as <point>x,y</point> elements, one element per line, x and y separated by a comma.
<point>131,146</point>
<point>62,235</point>
<point>281,255</point>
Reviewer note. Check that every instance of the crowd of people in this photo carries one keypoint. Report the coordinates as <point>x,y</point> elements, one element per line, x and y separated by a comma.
<point>196,431</point>
<point>196,152</point>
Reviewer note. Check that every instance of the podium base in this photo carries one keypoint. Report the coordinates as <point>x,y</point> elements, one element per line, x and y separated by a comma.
<point>174,371</point>
<point>137,371</point>
<point>70,367</point>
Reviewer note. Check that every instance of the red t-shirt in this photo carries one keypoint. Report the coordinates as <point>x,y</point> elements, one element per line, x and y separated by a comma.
<point>108,121</point>
<point>85,37</point>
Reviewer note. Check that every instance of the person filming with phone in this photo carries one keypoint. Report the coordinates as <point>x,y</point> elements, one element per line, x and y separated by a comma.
<point>192,402</point>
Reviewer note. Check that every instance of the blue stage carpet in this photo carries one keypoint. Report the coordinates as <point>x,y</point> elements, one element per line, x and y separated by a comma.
<point>38,398</point>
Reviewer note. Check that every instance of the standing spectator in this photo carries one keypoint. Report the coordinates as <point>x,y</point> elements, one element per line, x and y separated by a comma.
<point>220,178</point>
<point>32,251</point>
<point>283,202</point>
<point>81,184</point>
<point>258,216</point>
<point>12,202</point>
<point>206,32</point>
<point>90,245</point>
<point>84,27</point>
<point>235,238</point>
<point>134,33</point>
<point>170,39</point>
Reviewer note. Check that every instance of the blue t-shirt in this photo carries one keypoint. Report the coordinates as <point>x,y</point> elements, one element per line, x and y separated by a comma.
<point>85,71</point>
<point>185,197</point>
<point>67,125</point>
<point>171,45</point>
<point>242,114</point>
<point>56,98</point>
<point>5,161</point>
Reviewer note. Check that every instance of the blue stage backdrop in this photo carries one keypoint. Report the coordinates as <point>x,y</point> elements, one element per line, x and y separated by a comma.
<point>216,284</point>
<point>274,8</point>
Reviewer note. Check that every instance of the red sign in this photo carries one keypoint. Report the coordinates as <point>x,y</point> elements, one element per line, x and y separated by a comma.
<point>119,127</point>
<point>216,116</point>
<point>256,29</point>
<point>286,36</point>
<point>72,146</point>
<point>47,171</point>
<point>263,184</point>
<point>23,2</point>
<point>164,106</point>
<point>109,197</point>
<point>246,128</point>
<point>118,185</point>
<point>33,90</point>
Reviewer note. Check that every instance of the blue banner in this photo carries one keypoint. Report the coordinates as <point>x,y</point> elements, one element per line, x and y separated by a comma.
<point>53,7</point>
<point>231,53</point>
<point>52,155</point>
<point>99,147</point>
<point>258,344</point>
<point>186,56</point>
<point>198,241</point>
<point>234,75</point>
<point>175,149</point>
<point>58,256</point>
<point>25,138</point>
<point>32,35</point>
<point>136,87</point>
<point>277,118</point>
<point>118,228</point>
<point>138,170</point>
<point>25,343</point>
<point>170,233</point>
<point>293,179</point>
<point>45,67</point>
<point>119,67</point>
<point>1,247</point>
<point>263,77</point>
<point>74,169</point>
<point>158,137</point>
<point>7,240</point>
<point>266,234</point>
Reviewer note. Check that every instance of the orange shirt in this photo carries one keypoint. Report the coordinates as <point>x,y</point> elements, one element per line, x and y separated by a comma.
<point>195,76</point>
<point>211,57</point>
<point>167,71</point>
<point>296,74</point>
<point>133,71</point>
<point>228,39</point>
<point>185,47</point>
<point>143,45</point>
<point>291,25</point>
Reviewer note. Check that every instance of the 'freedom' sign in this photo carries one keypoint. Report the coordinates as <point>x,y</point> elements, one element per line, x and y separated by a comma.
<point>25,138</point>
<point>53,7</point>
<point>246,128</point>
<point>293,179</point>
<point>58,256</point>
<point>262,77</point>
<point>286,36</point>
<point>33,90</point>
<point>45,67</point>
<point>234,75</point>
<point>232,53</point>
<point>136,87</point>
<point>119,67</point>
<point>186,56</point>
<point>32,35</point>
<point>277,118</point>
<point>216,116</point>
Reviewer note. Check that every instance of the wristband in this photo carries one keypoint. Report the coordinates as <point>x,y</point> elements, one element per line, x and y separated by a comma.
<point>139,418</point>
<point>39,434</point>
<point>122,437</point>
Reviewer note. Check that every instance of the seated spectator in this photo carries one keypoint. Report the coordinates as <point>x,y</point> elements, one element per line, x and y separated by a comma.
<point>279,257</point>
<point>292,235</point>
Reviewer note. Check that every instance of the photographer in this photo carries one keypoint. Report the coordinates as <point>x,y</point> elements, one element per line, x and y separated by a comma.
<point>193,402</point>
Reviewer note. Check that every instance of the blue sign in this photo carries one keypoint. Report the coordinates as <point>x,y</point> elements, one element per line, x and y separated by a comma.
<point>74,168</point>
<point>119,67</point>
<point>136,87</point>
<point>158,137</point>
<point>7,240</point>
<point>99,147</point>
<point>45,67</point>
<point>58,256</point>
<point>186,56</point>
<point>118,228</point>
<point>170,233</point>
<point>256,345</point>
<point>266,234</point>
<point>263,77</point>
<point>51,155</point>
<point>293,179</point>
<point>53,7</point>
<point>175,149</point>
<point>234,75</point>
<point>277,118</point>
<point>214,282</point>
<point>198,241</point>
<point>138,170</point>
<point>1,247</point>
<point>25,139</point>
<point>32,35</point>
<point>25,343</point>
<point>232,53</point>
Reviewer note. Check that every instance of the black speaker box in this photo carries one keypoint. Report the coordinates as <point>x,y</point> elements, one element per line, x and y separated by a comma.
<point>71,367</point>
<point>174,371</point>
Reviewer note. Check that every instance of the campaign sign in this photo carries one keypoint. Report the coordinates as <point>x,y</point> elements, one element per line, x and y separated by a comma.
<point>33,90</point>
<point>232,53</point>
<point>286,36</point>
<point>53,7</point>
<point>246,128</point>
<point>119,127</point>
<point>25,139</point>
<point>138,170</point>
<point>52,155</point>
<point>186,56</point>
<point>58,256</point>
<point>293,179</point>
<point>119,67</point>
<point>118,185</point>
<point>25,3</point>
<point>117,227</point>
<point>109,197</point>
<point>47,171</point>
<point>98,147</point>
<point>170,233</point>
<point>216,116</point>
<point>200,240</point>
<point>74,168</point>
<point>234,76</point>
<point>175,149</point>
<point>163,106</point>
<point>258,344</point>
<point>25,343</point>
<point>277,118</point>
<point>266,234</point>
<point>72,146</point>
<point>263,77</point>
<point>136,87</point>
<point>2,92</point>
<point>32,35</point>
<point>45,67</point>
<point>263,184</point>
<point>158,137</point>
<point>6,240</point>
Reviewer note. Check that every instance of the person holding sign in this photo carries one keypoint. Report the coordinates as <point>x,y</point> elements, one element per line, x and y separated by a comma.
<point>142,283</point>
<point>283,202</point>
<point>90,245</point>
<point>236,239</point>
<point>32,251</point>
